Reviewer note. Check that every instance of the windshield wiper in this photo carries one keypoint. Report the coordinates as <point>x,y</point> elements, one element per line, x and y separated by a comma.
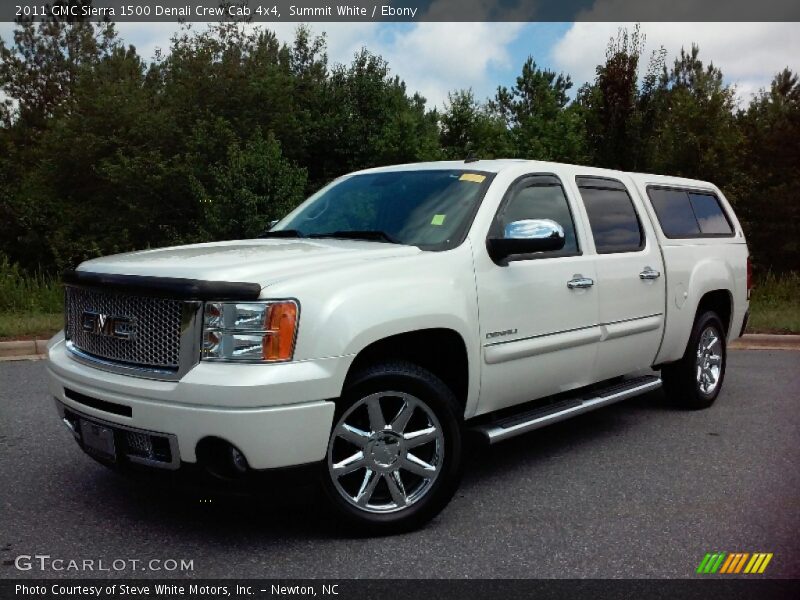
<point>372,235</point>
<point>282,233</point>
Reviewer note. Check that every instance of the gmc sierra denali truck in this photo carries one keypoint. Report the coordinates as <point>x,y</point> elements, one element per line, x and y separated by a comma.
<point>395,310</point>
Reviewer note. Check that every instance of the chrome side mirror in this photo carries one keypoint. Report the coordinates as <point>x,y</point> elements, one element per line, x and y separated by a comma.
<point>534,229</point>
<point>526,237</point>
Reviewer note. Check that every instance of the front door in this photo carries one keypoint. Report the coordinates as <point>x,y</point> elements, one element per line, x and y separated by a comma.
<point>538,313</point>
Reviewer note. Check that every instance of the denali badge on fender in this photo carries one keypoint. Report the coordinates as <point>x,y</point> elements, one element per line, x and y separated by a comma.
<point>119,327</point>
<point>494,334</point>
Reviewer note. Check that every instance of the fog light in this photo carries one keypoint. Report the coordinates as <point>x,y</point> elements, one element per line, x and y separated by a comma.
<point>238,461</point>
<point>139,444</point>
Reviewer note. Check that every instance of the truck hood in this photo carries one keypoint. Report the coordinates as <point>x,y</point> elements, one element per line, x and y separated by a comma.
<point>264,262</point>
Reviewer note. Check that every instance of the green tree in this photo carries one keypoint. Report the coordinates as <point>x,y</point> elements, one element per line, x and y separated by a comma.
<point>369,119</point>
<point>102,152</point>
<point>254,185</point>
<point>103,176</point>
<point>768,201</point>
<point>470,129</point>
<point>39,69</point>
<point>619,115</point>
<point>535,110</point>
<point>697,135</point>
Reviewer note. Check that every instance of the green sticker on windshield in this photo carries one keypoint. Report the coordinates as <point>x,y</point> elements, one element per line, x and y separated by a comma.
<point>438,220</point>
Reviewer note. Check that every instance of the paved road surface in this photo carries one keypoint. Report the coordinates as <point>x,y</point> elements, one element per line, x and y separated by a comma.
<point>634,490</point>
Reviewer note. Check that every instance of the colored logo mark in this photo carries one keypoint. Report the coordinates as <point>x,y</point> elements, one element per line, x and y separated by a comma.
<point>734,562</point>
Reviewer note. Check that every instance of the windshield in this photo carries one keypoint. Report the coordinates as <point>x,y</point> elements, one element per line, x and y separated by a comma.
<point>429,209</point>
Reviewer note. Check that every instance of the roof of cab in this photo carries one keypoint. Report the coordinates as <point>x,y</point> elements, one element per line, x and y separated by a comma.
<point>489,166</point>
<point>497,165</point>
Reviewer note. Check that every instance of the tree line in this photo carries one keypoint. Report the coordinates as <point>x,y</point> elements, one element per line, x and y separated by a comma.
<point>228,129</point>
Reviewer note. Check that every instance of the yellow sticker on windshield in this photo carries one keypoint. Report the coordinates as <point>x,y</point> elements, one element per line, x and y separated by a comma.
<point>438,220</point>
<point>473,177</point>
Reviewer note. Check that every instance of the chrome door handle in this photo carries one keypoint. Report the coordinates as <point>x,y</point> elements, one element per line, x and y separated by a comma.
<point>649,273</point>
<point>580,282</point>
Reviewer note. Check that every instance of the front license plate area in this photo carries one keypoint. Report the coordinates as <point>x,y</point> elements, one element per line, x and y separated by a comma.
<point>98,440</point>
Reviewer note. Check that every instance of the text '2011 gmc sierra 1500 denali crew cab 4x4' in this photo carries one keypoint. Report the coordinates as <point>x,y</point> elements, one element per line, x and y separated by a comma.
<point>394,310</point>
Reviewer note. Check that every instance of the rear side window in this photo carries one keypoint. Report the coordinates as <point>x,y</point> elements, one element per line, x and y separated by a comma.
<point>674,212</point>
<point>684,214</point>
<point>615,226</point>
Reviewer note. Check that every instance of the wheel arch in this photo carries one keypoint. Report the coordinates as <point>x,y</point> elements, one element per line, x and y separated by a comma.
<point>441,350</point>
<point>720,301</point>
<point>709,285</point>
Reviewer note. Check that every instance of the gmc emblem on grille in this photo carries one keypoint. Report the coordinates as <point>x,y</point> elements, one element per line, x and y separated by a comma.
<point>122,328</point>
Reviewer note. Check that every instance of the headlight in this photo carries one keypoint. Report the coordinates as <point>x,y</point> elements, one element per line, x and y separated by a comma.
<point>250,331</point>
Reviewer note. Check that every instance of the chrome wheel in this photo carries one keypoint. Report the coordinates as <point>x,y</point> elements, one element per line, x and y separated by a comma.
<point>709,360</point>
<point>385,452</point>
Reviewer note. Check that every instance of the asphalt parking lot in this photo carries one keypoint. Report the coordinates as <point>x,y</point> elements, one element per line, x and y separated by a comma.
<point>638,489</point>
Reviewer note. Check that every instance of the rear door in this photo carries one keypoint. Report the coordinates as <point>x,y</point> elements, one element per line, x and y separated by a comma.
<point>630,277</point>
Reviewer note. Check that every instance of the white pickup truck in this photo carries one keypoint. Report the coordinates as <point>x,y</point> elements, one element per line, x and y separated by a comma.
<point>393,311</point>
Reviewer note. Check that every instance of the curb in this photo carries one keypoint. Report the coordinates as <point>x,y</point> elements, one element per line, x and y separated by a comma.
<point>19,350</point>
<point>36,349</point>
<point>766,341</point>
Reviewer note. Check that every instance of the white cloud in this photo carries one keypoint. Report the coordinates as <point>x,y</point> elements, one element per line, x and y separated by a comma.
<point>749,54</point>
<point>147,37</point>
<point>7,32</point>
<point>436,58</point>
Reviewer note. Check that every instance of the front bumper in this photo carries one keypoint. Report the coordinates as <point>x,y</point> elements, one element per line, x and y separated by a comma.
<point>276,415</point>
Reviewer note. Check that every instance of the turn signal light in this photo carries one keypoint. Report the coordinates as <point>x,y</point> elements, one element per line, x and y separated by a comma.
<point>281,328</point>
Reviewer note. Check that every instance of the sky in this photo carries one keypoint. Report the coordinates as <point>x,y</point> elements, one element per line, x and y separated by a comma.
<point>435,58</point>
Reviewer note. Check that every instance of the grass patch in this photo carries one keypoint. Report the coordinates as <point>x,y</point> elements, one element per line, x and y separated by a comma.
<point>17,326</point>
<point>28,293</point>
<point>31,305</point>
<point>775,304</point>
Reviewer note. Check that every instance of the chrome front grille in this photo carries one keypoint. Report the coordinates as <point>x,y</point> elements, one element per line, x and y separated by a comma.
<point>131,331</point>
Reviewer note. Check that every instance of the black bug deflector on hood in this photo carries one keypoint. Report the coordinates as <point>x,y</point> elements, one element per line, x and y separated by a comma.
<point>165,287</point>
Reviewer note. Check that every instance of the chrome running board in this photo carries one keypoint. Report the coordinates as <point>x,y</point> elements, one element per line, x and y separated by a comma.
<point>509,426</point>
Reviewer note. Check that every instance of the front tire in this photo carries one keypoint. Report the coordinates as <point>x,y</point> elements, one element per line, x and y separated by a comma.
<point>695,381</point>
<point>395,453</point>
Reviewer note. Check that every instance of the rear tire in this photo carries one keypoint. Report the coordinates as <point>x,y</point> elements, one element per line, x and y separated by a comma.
<point>395,453</point>
<point>695,380</point>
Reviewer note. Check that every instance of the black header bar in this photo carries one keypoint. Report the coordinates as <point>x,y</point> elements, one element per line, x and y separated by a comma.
<point>274,11</point>
<point>738,588</point>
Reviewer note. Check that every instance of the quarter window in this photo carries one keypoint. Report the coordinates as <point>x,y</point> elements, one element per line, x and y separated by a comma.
<point>709,214</point>
<point>615,226</point>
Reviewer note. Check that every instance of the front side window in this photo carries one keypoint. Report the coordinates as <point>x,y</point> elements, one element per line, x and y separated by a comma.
<point>431,209</point>
<point>615,226</point>
<point>685,214</point>
<point>539,198</point>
